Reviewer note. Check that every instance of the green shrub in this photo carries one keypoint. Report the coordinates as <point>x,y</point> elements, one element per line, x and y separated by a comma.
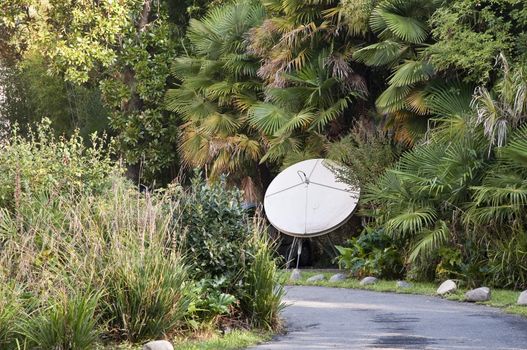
<point>101,234</point>
<point>508,261</point>
<point>114,242</point>
<point>43,164</point>
<point>210,303</point>
<point>373,253</point>
<point>217,230</point>
<point>366,151</point>
<point>67,323</point>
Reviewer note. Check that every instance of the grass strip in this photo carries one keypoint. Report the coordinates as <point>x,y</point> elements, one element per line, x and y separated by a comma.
<point>237,339</point>
<point>500,298</point>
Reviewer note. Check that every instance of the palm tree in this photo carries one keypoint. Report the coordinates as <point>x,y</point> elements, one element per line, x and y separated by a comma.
<point>306,49</point>
<point>503,108</point>
<point>401,26</point>
<point>294,119</point>
<point>218,84</point>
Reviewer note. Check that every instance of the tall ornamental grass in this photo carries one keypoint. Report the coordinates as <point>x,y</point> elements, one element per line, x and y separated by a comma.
<point>116,244</point>
<point>263,284</point>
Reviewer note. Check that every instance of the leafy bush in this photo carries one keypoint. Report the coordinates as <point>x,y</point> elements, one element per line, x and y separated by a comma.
<point>210,303</point>
<point>217,230</point>
<point>59,244</point>
<point>43,164</point>
<point>373,253</point>
<point>508,261</point>
<point>457,202</point>
<point>116,242</point>
<point>366,151</point>
<point>232,260</point>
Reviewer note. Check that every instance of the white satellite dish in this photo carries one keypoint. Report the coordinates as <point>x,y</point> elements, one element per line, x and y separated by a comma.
<point>307,200</point>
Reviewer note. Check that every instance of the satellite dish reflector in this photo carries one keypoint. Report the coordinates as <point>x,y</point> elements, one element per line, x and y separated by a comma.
<point>307,200</point>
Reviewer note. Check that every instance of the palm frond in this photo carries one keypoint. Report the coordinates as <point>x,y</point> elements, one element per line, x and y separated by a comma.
<point>449,99</point>
<point>393,98</point>
<point>430,242</point>
<point>220,123</point>
<point>404,28</point>
<point>416,101</point>
<point>327,115</point>
<point>268,118</point>
<point>384,53</point>
<point>280,146</point>
<point>411,72</point>
<point>411,221</point>
<point>300,120</point>
<point>515,153</point>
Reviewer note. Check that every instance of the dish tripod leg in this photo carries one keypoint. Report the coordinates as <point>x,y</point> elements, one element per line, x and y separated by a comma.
<point>298,243</point>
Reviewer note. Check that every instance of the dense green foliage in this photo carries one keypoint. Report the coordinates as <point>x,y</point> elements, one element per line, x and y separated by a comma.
<point>86,259</point>
<point>469,34</point>
<point>217,230</point>
<point>373,253</point>
<point>218,85</point>
<point>44,165</point>
<point>464,190</point>
<point>253,81</point>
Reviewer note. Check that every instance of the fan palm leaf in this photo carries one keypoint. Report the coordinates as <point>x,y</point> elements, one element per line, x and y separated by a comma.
<point>430,241</point>
<point>384,53</point>
<point>268,118</point>
<point>411,72</point>
<point>411,221</point>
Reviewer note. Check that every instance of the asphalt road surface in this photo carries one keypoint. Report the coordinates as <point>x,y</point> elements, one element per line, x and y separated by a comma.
<point>336,318</point>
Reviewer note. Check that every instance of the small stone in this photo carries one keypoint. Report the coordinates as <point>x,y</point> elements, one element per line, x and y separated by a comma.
<point>158,345</point>
<point>226,330</point>
<point>368,280</point>
<point>522,299</point>
<point>316,278</point>
<point>448,286</point>
<point>478,294</point>
<point>337,277</point>
<point>295,275</point>
<point>403,284</point>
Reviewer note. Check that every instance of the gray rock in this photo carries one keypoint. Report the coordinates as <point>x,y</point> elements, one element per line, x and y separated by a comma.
<point>368,280</point>
<point>316,278</point>
<point>522,299</point>
<point>158,345</point>
<point>448,286</point>
<point>337,277</point>
<point>403,284</point>
<point>226,330</point>
<point>295,275</point>
<point>478,294</point>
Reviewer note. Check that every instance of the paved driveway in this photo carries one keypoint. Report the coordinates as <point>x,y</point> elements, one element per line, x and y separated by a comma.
<point>336,318</point>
